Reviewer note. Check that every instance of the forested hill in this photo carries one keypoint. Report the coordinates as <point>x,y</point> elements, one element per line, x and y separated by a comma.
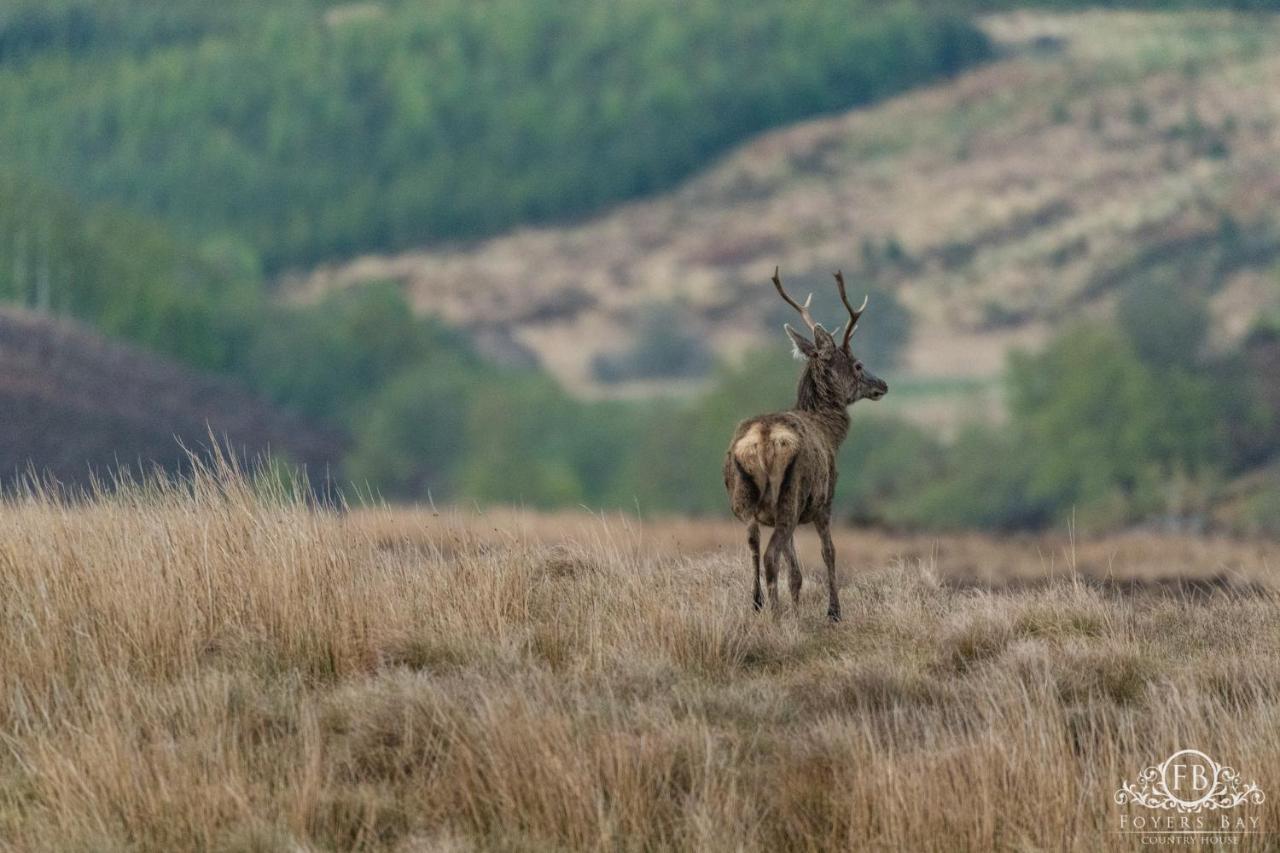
<point>299,130</point>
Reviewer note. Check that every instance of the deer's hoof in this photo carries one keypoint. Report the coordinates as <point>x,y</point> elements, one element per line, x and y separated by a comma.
<point>757,603</point>
<point>833,616</point>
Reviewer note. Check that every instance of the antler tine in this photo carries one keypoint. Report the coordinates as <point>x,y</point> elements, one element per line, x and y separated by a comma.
<point>853,315</point>
<point>802,309</point>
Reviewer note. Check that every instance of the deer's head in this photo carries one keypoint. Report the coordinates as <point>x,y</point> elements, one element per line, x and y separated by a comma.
<point>837,373</point>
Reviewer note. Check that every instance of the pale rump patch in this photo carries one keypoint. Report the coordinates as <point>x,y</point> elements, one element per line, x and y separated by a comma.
<point>749,444</point>
<point>764,453</point>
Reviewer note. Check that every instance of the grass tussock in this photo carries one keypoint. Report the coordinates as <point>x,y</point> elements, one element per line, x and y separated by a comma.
<point>215,664</point>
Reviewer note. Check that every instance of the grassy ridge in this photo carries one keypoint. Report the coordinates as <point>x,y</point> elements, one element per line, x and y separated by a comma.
<point>308,133</point>
<point>216,667</point>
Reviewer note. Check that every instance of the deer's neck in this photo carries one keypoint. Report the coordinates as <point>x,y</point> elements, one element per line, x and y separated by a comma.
<point>824,405</point>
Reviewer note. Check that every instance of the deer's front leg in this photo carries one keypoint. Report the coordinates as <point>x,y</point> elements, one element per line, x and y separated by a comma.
<point>823,524</point>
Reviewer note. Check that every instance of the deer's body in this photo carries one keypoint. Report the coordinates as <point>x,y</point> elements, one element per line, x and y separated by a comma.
<point>779,465</point>
<point>780,469</point>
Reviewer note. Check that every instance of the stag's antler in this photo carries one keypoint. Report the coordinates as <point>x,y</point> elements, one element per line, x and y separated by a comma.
<point>803,309</point>
<point>853,315</point>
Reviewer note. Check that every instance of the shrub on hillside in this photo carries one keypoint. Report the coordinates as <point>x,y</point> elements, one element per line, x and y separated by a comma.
<point>411,440</point>
<point>326,360</point>
<point>983,482</point>
<point>1095,434</point>
<point>666,346</point>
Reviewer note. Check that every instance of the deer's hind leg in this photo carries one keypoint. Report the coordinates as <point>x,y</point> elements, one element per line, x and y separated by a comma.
<point>753,539</point>
<point>795,579</point>
<point>779,542</point>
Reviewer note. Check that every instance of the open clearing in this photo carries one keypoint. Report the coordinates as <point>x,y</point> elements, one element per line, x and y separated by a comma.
<point>216,667</point>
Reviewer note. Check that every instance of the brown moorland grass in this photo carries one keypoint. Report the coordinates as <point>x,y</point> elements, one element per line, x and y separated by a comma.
<point>212,665</point>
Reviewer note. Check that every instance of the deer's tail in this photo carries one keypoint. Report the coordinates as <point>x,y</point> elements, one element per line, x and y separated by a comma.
<point>764,453</point>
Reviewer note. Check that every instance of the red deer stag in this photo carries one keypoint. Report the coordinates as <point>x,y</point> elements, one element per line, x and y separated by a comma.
<point>780,470</point>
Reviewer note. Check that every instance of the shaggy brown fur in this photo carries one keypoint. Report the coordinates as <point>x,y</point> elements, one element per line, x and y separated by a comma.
<point>780,469</point>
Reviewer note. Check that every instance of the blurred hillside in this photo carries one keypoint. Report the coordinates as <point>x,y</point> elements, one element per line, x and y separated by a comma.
<point>1106,155</point>
<point>1068,238</point>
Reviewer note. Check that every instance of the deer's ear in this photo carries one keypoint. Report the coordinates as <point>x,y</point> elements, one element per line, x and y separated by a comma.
<point>822,338</point>
<point>804,346</point>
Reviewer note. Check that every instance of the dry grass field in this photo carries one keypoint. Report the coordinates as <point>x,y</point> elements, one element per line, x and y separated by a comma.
<point>213,666</point>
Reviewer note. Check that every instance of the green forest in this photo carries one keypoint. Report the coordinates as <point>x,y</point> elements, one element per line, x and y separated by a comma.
<point>301,130</point>
<point>162,161</point>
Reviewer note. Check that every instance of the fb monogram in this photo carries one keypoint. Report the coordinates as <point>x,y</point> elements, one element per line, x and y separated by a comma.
<point>1199,778</point>
<point>1189,781</point>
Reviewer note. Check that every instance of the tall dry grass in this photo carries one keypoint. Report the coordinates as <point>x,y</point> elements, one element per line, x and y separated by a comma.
<point>213,665</point>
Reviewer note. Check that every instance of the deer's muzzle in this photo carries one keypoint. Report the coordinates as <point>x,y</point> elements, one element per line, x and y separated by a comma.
<point>873,387</point>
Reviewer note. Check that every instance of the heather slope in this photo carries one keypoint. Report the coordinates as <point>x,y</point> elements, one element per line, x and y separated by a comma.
<point>73,402</point>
